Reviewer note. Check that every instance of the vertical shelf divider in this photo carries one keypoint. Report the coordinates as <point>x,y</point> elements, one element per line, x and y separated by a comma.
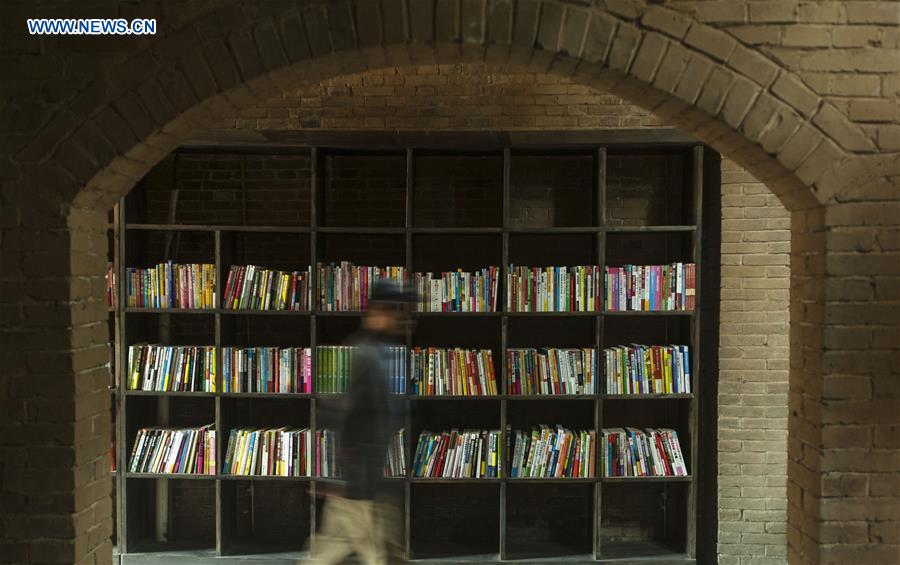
<point>315,159</point>
<point>600,215</point>
<point>502,384</point>
<point>693,418</point>
<point>224,496</point>
<point>409,221</point>
<point>121,409</point>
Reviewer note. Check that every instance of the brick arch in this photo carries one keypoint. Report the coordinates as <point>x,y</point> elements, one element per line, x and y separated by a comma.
<point>739,101</point>
<point>696,77</point>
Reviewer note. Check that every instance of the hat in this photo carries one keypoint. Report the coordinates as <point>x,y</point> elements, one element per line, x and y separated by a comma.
<point>388,291</point>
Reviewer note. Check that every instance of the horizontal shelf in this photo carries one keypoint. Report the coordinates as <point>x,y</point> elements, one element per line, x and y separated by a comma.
<point>551,314</point>
<point>649,312</point>
<point>168,393</point>
<point>400,230</point>
<point>191,476</point>
<point>266,395</point>
<point>135,310</point>
<point>686,479</point>
<point>653,396</point>
<point>448,480</point>
<point>551,396</point>
<point>228,477</point>
<point>455,396</point>
<point>525,480</point>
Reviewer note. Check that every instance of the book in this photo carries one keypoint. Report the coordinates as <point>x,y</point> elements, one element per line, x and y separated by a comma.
<point>647,288</point>
<point>171,285</point>
<point>172,368</point>
<point>647,369</point>
<point>345,287</point>
<point>250,287</point>
<point>395,462</point>
<point>455,372</point>
<point>282,452</point>
<point>111,286</point>
<point>632,452</point>
<point>466,454</point>
<point>326,449</point>
<point>267,369</point>
<point>457,291</point>
<point>174,451</point>
<point>556,452</point>
<point>553,289</point>
<point>551,371</point>
<point>334,364</point>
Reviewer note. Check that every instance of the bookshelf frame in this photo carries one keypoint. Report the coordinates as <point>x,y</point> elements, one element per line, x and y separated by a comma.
<point>504,145</point>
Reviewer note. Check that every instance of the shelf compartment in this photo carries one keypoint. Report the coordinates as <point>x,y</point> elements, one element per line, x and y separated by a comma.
<point>263,515</point>
<point>189,505</point>
<point>363,189</point>
<point>643,520</point>
<point>648,188</point>
<point>457,190</point>
<point>454,519</point>
<point>549,519</point>
<point>552,190</point>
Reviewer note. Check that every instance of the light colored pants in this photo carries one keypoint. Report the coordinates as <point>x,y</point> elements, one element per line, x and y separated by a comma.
<point>368,528</point>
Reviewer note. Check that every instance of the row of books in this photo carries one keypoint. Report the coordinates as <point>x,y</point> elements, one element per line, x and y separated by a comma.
<point>172,368</point>
<point>267,369</point>
<point>457,291</point>
<point>554,289</point>
<point>250,287</point>
<point>335,363</point>
<point>544,452</point>
<point>652,452</point>
<point>171,285</point>
<point>456,372</point>
<point>551,371</point>
<point>169,450</point>
<point>554,453</point>
<point>467,454</point>
<point>651,287</point>
<point>648,369</point>
<point>346,287</point>
<point>284,452</point>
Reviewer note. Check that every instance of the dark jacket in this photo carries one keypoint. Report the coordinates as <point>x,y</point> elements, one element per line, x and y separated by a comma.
<point>371,416</point>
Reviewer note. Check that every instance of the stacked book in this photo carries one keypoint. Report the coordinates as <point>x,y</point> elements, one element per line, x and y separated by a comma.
<point>553,289</point>
<point>111,298</point>
<point>172,368</point>
<point>334,364</point>
<point>553,453</point>
<point>250,287</point>
<point>469,454</point>
<point>346,287</point>
<point>169,450</point>
<point>651,287</point>
<point>455,372</point>
<point>630,452</point>
<point>326,448</point>
<point>395,463</point>
<point>282,452</point>
<point>457,291</point>
<point>170,285</point>
<point>267,369</point>
<point>551,371</point>
<point>647,369</point>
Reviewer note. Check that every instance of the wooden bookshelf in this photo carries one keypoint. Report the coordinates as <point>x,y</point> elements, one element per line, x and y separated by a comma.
<point>145,501</point>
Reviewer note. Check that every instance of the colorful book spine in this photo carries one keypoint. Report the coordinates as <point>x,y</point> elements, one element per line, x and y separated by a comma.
<point>172,285</point>
<point>346,287</point>
<point>652,452</point>
<point>466,454</point>
<point>553,289</point>
<point>454,372</point>
<point>647,288</point>
<point>551,371</point>
<point>250,287</point>
<point>547,452</point>
<point>172,368</point>
<point>334,365</point>
<point>647,369</point>
<point>267,369</point>
<point>190,451</point>
<point>457,291</point>
<point>280,452</point>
